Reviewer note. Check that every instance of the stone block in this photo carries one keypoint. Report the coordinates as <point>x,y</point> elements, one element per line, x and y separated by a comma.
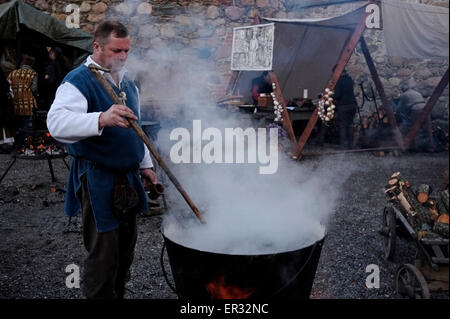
<point>234,13</point>
<point>99,7</point>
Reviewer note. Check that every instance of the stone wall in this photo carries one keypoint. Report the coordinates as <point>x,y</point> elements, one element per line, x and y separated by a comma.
<point>199,32</point>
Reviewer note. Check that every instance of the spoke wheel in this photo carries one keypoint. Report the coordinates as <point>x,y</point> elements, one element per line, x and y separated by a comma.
<point>410,283</point>
<point>389,233</point>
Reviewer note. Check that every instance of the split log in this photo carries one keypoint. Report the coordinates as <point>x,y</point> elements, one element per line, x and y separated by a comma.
<point>424,215</point>
<point>432,207</point>
<point>423,193</point>
<point>396,175</point>
<point>393,181</point>
<point>393,191</point>
<point>405,204</point>
<point>421,212</point>
<point>443,218</point>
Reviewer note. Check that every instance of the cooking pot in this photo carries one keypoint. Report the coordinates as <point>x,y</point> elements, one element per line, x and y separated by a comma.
<point>214,275</point>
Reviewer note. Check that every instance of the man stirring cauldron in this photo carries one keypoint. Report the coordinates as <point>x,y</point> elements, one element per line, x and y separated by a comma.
<point>104,181</point>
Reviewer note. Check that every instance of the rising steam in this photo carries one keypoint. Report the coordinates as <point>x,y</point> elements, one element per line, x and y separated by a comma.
<point>245,212</point>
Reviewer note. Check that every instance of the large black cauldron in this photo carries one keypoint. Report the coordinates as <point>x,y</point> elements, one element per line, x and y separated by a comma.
<point>205,275</point>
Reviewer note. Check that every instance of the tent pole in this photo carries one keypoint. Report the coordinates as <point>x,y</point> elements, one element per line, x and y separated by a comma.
<point>232,83</point>
<point>427,109</point>
<point>286,118</point>
<point>380,89</point>
<point>342,62</point>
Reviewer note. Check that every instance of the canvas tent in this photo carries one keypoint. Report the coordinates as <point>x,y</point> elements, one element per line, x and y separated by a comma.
<point>305,51</point>
<point>24,29</point>
<point>414,30</point>
<point>30,29</point>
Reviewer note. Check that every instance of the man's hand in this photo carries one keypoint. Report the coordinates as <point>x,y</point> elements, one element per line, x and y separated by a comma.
<point>148,177</point>
<point>116,116</point>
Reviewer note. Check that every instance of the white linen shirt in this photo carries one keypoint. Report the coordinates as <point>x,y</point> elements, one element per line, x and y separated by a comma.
<point>68,120</point>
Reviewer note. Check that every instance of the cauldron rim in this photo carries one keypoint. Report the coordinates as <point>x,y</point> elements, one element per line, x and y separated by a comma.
<point>321,240</point>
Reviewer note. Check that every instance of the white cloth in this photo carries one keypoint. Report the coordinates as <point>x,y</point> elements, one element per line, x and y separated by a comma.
<point>68,120</point>
<point>413,30</point>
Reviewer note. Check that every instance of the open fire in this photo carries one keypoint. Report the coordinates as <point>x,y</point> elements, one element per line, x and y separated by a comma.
<point>40,144</point>
<point>219,289</point>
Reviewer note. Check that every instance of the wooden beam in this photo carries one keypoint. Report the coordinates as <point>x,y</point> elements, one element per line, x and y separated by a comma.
<point>287,124</point>
<point>232,83</point>
<point>386,104</point>
<point>342,62</point>
<point>427,109</point>
<point>357,150</point>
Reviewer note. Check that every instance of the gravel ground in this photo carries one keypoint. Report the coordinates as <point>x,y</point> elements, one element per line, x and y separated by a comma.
<point>37,243</point>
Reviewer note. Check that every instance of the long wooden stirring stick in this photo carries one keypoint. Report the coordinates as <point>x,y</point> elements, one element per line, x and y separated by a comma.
<point>95,70</point>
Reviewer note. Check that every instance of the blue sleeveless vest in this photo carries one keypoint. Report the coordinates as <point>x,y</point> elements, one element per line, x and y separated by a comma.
<point>117,149</point>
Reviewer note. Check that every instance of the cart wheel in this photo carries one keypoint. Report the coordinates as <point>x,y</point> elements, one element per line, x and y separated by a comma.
<point>410,283</point>
<point>389,233</point>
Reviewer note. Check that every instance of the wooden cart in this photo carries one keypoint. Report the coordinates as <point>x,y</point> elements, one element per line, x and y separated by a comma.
<point>431,269</point>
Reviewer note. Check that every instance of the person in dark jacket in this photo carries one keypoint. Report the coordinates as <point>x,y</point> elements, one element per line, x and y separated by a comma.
<point>260,85</point>
<point>346,106</point>
<point>411,104</point>
<point>55,72</point>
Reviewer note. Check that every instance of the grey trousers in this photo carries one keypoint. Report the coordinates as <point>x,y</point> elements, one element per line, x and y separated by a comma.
<point>110,254</point>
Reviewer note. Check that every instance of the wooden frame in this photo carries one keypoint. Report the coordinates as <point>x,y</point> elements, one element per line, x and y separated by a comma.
<point>342,62</point>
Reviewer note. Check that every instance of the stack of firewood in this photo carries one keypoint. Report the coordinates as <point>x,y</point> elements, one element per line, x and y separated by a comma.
<point>376,119</point>
<point>373,131</point>
<point>428,216</point>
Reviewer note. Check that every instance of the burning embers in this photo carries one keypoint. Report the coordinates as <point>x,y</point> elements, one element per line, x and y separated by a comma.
<point>39,145</point>
<point>219,289</point>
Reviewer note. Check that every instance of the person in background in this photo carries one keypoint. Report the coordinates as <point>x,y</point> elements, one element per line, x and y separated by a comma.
<point>260,85</point>
<point>24,85</point>
<point>410,104</point>
<point>55,72</point>
<point>346,106</point>
<point>108,161</point>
